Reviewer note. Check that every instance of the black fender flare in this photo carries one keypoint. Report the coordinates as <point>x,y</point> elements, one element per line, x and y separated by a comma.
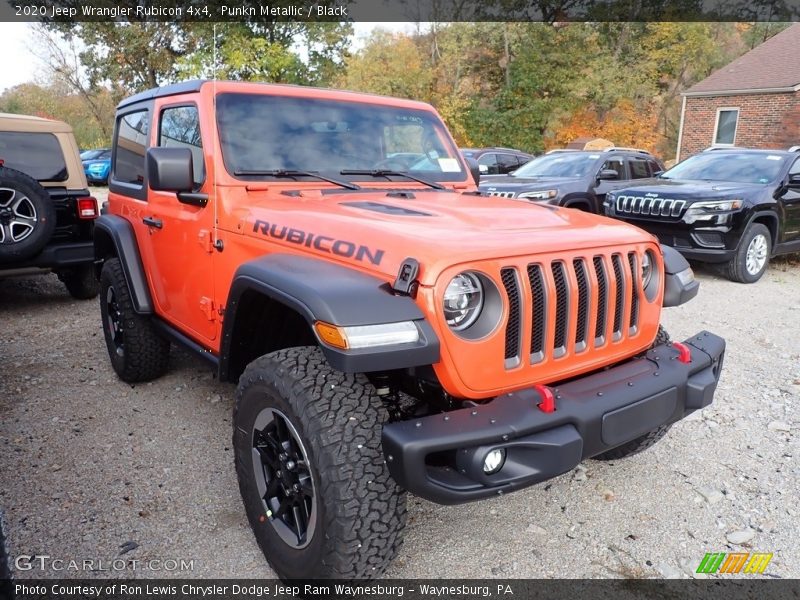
<point>678,289</point>
<point>772,215</point>
<point>324,291</point>
<point>114,235</point>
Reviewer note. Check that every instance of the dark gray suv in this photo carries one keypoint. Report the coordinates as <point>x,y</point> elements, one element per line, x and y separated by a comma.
<point>574,178</point>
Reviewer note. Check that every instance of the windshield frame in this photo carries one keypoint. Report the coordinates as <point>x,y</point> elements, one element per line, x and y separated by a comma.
<point>721,155</point>
<point>428,116</point>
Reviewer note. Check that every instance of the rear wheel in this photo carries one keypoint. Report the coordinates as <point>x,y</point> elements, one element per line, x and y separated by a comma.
<point>752,255</point>
<point>311,470</point>
<point>80,282</point>
<point>136,350</point>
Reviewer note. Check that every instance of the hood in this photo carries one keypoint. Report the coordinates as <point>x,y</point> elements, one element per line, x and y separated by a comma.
<point>684,189</point>
<point>509,183</point>
<point>376,230</point>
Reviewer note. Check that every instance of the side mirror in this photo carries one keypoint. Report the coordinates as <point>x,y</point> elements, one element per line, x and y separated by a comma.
<point>474,169</point>
<point>172,170</point>
<point>794,180</point>
<point>606,174</point>
<point>657,173</point>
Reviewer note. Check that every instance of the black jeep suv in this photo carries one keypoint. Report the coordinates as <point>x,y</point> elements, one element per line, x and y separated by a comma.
<point>574,178</point>
<point>737,207</point>
<point>46,213</point>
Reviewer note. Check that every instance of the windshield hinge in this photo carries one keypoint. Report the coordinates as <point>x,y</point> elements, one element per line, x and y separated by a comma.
<point>406,283</point>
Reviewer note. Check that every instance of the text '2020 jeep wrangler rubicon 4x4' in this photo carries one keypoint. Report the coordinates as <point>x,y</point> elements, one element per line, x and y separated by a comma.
<point>46,213</point>
<point>389,330</point>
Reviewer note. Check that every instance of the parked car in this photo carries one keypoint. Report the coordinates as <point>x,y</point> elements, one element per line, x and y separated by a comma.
<point>46,212</point>
<point>574,178</point>
<point>497,161</point>
<point>97,165</point>
<point>375,352</point>
<point>735,207</point>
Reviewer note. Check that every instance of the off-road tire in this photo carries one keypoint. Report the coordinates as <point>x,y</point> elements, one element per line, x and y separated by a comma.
<point>31,201</point>
<point>648,439</point>
<point>144,353</point>
<point>736,268</point>
<point>361,512</point>
<point>81,282</point>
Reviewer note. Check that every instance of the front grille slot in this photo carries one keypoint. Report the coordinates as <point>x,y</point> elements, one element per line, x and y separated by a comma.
<point>513,327</point>
<point>538,312</point>
<point>647,206</point>
<point>634,320</point>
<point>602,301</point>
<point>562,301</point>
<point>502,194</point>
<point>616,261</point>
<point>581,330</point>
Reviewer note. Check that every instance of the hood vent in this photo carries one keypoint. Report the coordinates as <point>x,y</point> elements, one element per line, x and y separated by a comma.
<point>387,209</point>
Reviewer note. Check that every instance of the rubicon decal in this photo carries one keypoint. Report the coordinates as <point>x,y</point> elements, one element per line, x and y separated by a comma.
<point>734,562</point>
<point>316,241</point>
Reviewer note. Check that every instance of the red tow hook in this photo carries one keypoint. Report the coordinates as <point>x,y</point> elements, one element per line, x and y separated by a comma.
<point>548,403</point>
<point>684,354</point>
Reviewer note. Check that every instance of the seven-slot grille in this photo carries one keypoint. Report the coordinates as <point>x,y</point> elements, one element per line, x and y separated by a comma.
<point>502,194</point>
<point>647,206</point>
<point>598,295</point>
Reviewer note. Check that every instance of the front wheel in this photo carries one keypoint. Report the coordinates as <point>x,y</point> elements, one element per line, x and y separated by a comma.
<point>316,489</point>
<point>752,257</point>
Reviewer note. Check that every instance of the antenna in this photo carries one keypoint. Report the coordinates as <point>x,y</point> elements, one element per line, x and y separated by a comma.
<point>214,142</point>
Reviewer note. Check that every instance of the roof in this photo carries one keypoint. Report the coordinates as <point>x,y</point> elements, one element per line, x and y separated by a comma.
<point>195,85</point>
<point>769,67</point>
<point>14,122</point>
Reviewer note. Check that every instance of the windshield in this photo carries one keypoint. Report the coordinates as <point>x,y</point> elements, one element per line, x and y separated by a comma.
<point>561,164</point>
<point>260,133</point>
<point>739,167</point>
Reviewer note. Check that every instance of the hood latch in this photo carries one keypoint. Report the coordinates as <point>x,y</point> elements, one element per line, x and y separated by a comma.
<point>406,283</point>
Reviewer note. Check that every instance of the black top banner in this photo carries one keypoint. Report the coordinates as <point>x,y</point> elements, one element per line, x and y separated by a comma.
<point>552,11</point>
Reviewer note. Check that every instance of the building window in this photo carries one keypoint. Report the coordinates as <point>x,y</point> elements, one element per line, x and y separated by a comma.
<point>725,130</point>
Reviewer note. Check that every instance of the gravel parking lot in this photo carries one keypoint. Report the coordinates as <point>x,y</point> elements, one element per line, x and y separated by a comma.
<point>92,468</point>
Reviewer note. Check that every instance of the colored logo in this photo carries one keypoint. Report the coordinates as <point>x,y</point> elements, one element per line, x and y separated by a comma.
<point>734,562</point>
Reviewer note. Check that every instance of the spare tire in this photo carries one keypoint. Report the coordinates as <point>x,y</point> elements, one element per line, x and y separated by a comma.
<point>27,216</point>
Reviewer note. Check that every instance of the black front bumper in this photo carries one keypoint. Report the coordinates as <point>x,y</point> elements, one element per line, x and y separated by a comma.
<point>440,457</point>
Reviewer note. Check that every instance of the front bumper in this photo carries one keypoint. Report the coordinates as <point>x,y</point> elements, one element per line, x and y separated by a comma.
<point>440,457</point>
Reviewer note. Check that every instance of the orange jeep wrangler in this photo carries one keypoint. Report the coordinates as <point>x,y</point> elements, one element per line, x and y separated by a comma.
<point>390,328</point>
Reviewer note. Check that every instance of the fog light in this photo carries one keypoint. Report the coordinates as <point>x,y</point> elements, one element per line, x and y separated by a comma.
<point>494,461</point>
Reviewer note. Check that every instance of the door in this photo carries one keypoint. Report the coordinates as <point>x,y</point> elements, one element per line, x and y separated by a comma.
<point>180,235</point>
<point>791,207</point>
<point>613,163</point>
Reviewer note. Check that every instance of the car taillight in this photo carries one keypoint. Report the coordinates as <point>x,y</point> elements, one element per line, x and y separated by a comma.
<point>87,208</point>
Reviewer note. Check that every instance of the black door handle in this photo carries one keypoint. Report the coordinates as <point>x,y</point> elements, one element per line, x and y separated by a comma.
<point>153,222</point>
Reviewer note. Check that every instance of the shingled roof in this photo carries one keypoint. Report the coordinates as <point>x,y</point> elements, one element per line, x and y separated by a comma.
<point>773,66</point>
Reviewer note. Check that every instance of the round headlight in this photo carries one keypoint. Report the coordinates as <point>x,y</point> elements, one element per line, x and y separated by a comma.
<point>463,300</point>
<point>647,269</point>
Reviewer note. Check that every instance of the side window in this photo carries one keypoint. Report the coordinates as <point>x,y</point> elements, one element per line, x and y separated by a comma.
<point>795,168</point>
<point>615,164</point>
<point>654,168</point>
<point>638,168</point>
<point>488,164</point>
<point>507,163</point>
<point>131,145</point>
<point>180,128</point>
<point>35,154</point>
<point>725,129</point>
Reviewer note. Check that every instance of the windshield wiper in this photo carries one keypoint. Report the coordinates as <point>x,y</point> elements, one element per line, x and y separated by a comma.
<point>294,174</point>
<point>388,173</point>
